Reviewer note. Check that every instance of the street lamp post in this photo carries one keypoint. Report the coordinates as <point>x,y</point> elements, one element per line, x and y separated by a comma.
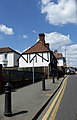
<point>33,70</point>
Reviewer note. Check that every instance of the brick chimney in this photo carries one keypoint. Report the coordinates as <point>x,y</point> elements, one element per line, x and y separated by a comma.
<point>47,45</point>
<point>42,38</point>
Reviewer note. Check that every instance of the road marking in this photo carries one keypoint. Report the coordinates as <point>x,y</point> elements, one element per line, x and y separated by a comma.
<point>53,115</point>
<point>53,103</point>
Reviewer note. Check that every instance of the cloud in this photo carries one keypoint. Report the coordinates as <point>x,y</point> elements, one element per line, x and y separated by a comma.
<point>4,29</point>
<point>25,36</point>
<point>70,52</point>
<point>22,36</point>
<point>62,12</point>
<point>34,31</point>
<point>63,43</point>
<point>57,40</point>
<point>71,55</point>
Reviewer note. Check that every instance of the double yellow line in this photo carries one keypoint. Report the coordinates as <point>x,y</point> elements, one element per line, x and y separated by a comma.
<point>55,104</point>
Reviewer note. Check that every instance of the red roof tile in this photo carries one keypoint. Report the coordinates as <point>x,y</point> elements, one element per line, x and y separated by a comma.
<point>58,55</point>
<point>7,50</point>
<point>38,47</point>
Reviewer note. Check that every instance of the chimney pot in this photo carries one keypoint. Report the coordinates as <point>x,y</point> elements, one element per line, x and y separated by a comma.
<point>42,37</point>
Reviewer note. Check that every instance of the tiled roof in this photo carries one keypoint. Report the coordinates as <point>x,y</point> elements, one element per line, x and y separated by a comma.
<point>7,50</point>
<point>58,55</point>
<point>38,47</point>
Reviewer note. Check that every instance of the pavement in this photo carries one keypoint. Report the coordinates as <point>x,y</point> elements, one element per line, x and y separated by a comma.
<point>28,102</point>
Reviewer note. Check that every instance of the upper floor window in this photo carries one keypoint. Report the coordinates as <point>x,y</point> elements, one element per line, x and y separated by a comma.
<point>5,62</point>
<point>5,56</point>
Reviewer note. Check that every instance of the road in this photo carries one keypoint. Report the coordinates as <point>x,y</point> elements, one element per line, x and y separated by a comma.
<point>64,104</point>
<point>68,106</point>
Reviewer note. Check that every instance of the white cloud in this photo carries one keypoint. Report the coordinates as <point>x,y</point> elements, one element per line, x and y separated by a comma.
<point>25,36</point>
<point>62,12</point>
<point>62,44</point>
<point>22,36</point>
<point>71,55</point>
<point>6,30</point>
<point>34,31</point>
<point>70,52</point>
<point>57,40</point>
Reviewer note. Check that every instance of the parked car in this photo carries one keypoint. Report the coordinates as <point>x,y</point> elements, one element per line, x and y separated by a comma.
<point>72,72</point>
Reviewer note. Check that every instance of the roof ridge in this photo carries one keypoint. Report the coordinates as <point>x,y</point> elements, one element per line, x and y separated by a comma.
<point>43,44</point>
<point>36,48</point>
<point>29,48</point>
<point>8,49</point>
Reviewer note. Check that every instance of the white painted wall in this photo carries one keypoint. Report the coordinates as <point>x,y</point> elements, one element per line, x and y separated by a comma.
<point>16,56</point>
<point>39,63</point>
<point>1,58</point>
<point>60,62</point>
<point>11,58</point>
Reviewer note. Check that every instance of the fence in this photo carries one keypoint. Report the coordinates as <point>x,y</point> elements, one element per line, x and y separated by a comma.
<point>20,78</point>
<point>20,75</point>
<point>1,81</point>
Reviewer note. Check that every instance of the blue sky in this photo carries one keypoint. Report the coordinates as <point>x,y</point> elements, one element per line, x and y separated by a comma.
<point>22,20</point>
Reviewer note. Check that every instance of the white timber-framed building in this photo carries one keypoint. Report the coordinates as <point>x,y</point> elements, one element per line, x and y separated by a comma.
<point>39,55</point>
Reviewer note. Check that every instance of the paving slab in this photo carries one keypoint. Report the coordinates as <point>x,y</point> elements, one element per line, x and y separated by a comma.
<point>29,100</point>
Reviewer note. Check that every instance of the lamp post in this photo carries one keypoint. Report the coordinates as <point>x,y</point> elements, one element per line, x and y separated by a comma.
<point>33,70</point>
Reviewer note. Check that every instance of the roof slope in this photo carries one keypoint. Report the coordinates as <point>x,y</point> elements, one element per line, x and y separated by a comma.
<point>38,47</point>
<point>58,55</point>
<point>7,50</point>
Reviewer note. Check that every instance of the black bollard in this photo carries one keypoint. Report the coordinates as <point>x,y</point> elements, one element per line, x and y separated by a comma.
<point>8,111</point>
<point>53,78</point>
<point>43,83</point>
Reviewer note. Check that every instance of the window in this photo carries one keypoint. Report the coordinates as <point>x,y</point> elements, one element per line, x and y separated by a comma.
<point>5,62</point>
<point>5,56</point>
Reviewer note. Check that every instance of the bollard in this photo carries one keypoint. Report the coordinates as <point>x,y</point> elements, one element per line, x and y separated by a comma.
<point>43,83</point>
<point>53,78</point>
<point>8,111</point>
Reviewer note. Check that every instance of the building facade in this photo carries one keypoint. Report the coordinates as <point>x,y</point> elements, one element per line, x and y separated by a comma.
<point>8,57</point>
<point>39,55</point>
<point>61,65</point>
<point>61,60</point>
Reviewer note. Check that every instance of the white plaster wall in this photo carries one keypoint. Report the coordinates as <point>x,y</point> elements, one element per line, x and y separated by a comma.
<point>60,62</point>
<point>1,58</point>
<point>10,60</point>
<point>16,56</point>
<point>21,62</point>
<point>39,63</point>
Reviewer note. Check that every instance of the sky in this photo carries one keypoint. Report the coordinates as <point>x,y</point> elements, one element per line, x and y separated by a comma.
<point>22,20</point>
